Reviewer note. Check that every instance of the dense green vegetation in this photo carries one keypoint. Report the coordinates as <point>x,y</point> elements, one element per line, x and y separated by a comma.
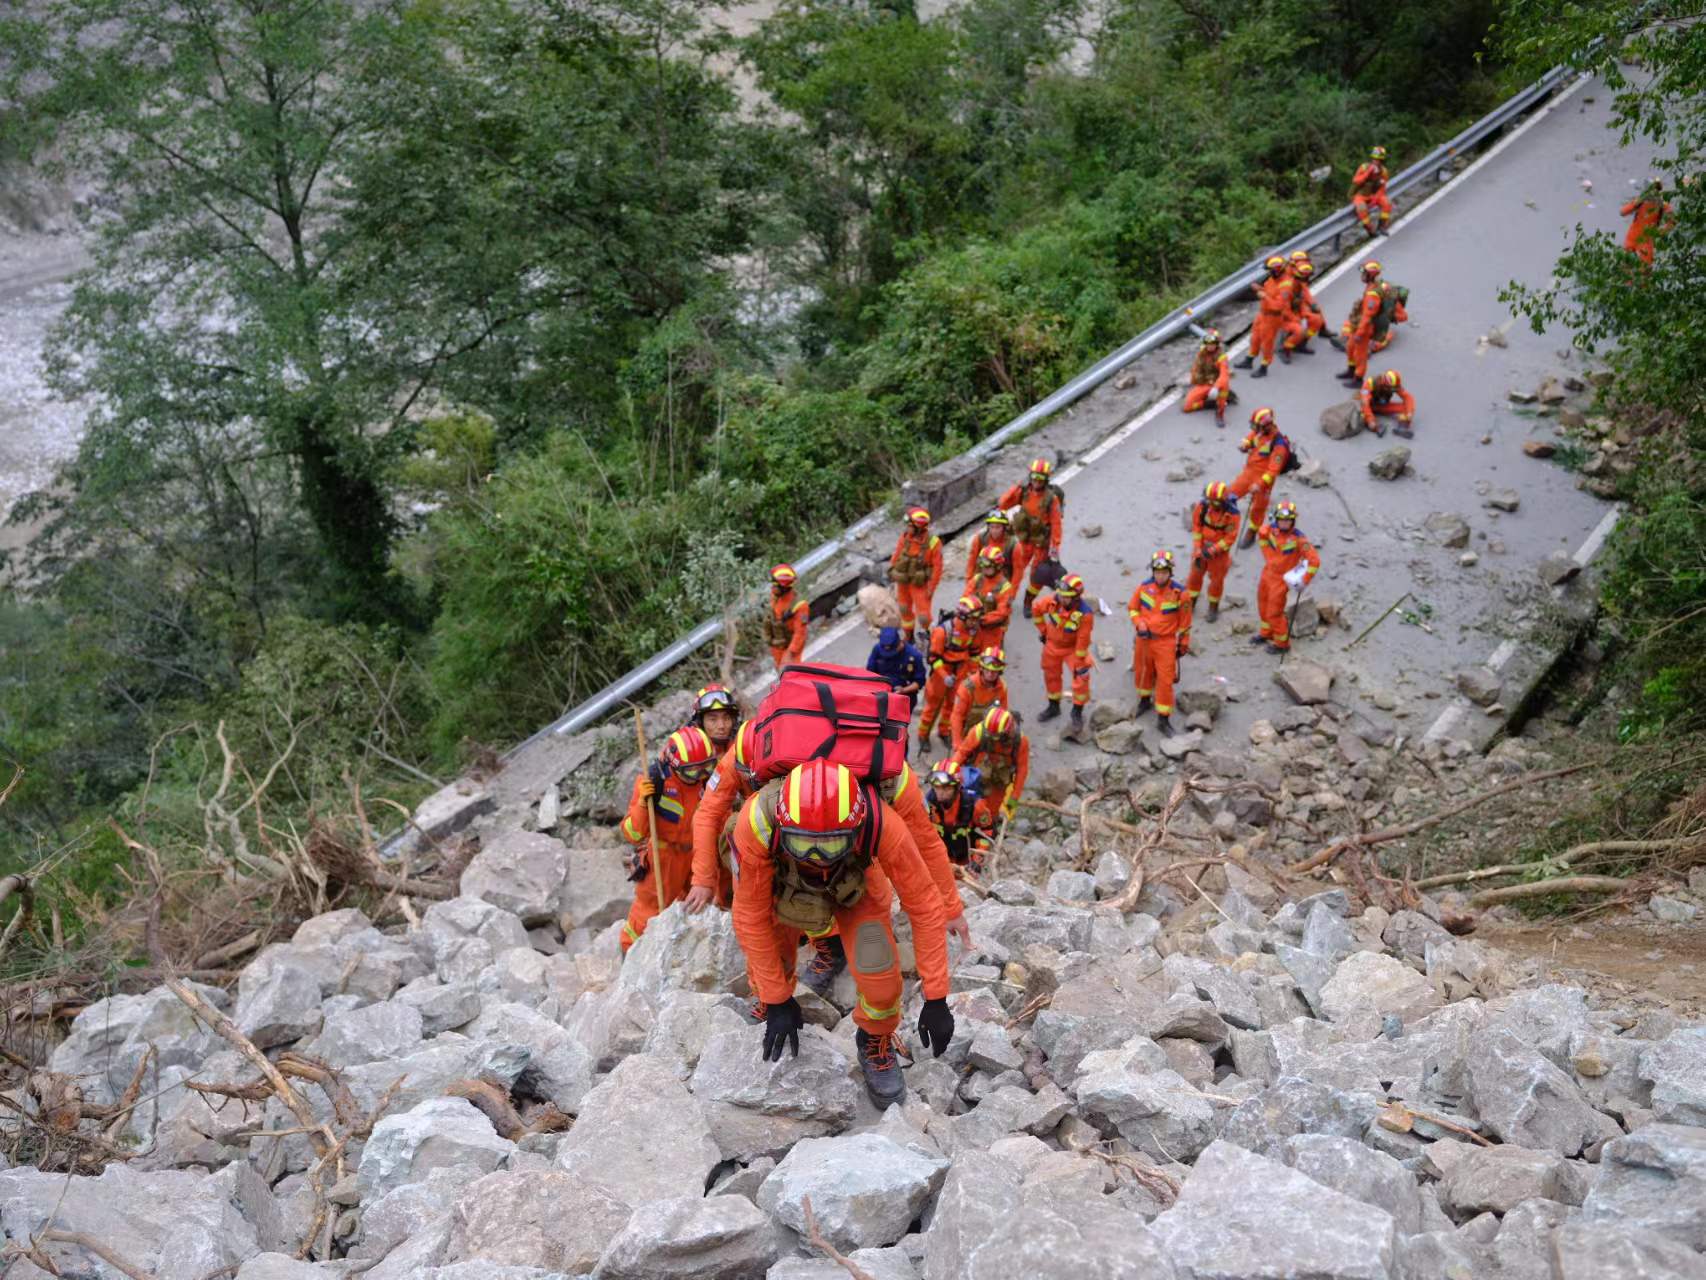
<point>430,340</point>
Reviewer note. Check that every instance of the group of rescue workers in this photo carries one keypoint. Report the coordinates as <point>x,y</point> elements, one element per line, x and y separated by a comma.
<point>808,850</point>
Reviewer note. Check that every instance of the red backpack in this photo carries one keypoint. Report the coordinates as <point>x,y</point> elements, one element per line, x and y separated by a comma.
<point>844,714</point>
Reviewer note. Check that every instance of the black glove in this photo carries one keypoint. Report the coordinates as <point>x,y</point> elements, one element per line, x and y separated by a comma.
<point>638,865</point>
<point>658,772</point>
<point>936,1025</point>
<point>782,1023</point>
<point>1199,564</point>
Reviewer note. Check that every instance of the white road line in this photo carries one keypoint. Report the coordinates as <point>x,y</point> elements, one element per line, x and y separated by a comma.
<point>812,649</point>
<point>1601,531</point>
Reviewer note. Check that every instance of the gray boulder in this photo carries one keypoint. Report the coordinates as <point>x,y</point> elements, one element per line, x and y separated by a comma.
<point>865,1189</point>
<point>1360,1172</point>
<point>1447,528</point>
<point>1088,1243</point>
<point>1156,1111</point>
<point>681,952</point>
<point>109,1039</point>
<point>979,1194</point>
<point>597,893</point>
<point>540,1218</point>
<point>441,1133</point>
<point>281,1266</point>
<point>412,1211</point>
<point>1305,682</point>
<point>1292,1106</point>
<point>372,1033</point>
<point>1653,1180</point>
<point>715,1238</point>
<point>521,872</point>
<point>1341,421</point>
<point>817,1085</point>
<point>461,937</point>
<point>1480,685</point>
<point>1073,886</point>
<point>640,1135</point>
<point>1584,1251</point>
<point>1368,981</point>
<point>1497,1179</point>
<point>1676,1066</point>
<point>443,1006</point>
<point>280,1007</point>
<point>1389,464</point>
<point>1241,1215</point>
<point>557,1068</point>
<point>1525,1100</point>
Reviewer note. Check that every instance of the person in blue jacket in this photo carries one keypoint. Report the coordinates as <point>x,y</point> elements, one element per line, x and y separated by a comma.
<point>897,662</point>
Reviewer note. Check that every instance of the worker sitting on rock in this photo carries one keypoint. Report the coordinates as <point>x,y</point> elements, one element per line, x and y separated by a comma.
<point>898,661</point>
<point>953,641</point>
<point>1001,752</point>
<point>670,788</point>
<point>996,536</point>
<point>1065,622</point>
<point>1160,610</point>
<point>1310,318</point>
<point>1274,315</point>
<point>1037,506</point>
<point>916,568</point>
<point>978,693</point>
<point>995,592</point>
<point>960,814</point>
<point>1214,529</point>
<point>1289,561</point>
<point>1211,378</point>
<point>785,623</point>
<point>1383,395</point>
<point>1265,453</point>
<point>808,843</point>
<point>1368,194</point>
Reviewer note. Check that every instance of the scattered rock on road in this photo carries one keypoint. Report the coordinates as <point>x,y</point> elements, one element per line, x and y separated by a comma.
<point>1479,685</point>
<point>1539,448</point>
<point>1341,421</point>
<point>1447,528</point>
<point>1503,500</point>
<point>1307,682</point>
<point>1389,464</point>
<point>1557,568</point>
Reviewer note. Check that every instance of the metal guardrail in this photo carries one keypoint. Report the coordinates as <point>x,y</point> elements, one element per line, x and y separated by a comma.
<point>1234,287</point>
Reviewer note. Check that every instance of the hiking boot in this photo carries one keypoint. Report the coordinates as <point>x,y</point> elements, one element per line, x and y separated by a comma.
<point>1244,361</point>
<point>1213,611</point>
<point>945,733</point>
<point>974,864</point>
<point>1052,711</point>
<point>1261,371</point>
<point>1337,342</point>
<point>1143,704</point>
<point>1278,649</point>
<point>1404,432</point>
<point>1249,537</point>
<point>1220,416</point>
<point>1348,376</point>
<point>881,1068</point>
<point>1258,639</point>
<point>1076,732</point>
<point>1285,355</point>
<point>1304,349</point>
<point>1164,726</point>
<point>1028,599</point>
<point>829,958</point>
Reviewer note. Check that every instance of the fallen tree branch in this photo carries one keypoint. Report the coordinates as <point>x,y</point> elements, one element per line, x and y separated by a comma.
<point>89,1244</point>
<point>219,956</point>
<point>814,1237</point>
<point>1157,833</point>
<point>1386,834</point>
<point>1568,858</point>
<point>1542,888</point>
<point>1400,1118</point>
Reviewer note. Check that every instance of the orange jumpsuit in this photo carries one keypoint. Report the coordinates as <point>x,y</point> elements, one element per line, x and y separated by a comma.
<point>1277,314</point>
<point>1162,616</point>
<point>1211,379</point>
<point>1310,318</point>
<point>982,541</point>
<point>725,789</point>
<point>676,803</point>
<point>996,593</point>
<point>968,830</point>
<point>1004,765</point>
<point>1041,509</point>
<point>1281,553</point>
<point>1213,532</point>
<point>1383,400</point>
<point>916,567</point>
<point>973,699</point>
<point>771,947</point>
<point>952,647</point>
<point>1650,217</point>
<point>1266,456</point>
<point>1368,192</point>
<point>1065,634</point>
<point>1360,340</point>
<point>785,628</point>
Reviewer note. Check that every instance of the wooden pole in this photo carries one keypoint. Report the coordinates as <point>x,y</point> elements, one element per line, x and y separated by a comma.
<point>651,815</point>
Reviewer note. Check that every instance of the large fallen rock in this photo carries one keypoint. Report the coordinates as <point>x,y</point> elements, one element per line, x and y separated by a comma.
<point>694,1238</point>
<point>865,1189</point>
<point>597,892</point>
<point>1523,1099</point>
<point>1341,421</point>
<point>557,1068</point>
<point>1156,1111</point>
<point>1497,1179</point>
<point>1306,682</point>
<point>460,937</point>
<point>109,1039</point>
<point>1090,1243</point>
<point>1676,1068</point>
<point>440,1133</point>
<point>814,1086</point>
<point>522,872</point>
<point>538,1218</point>
<point>1367,981</point>
<point>640,1135</point>
<point>681,952</point>
<point>1653,1180</point>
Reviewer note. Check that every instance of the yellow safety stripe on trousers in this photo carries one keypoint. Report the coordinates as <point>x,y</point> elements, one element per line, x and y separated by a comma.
<point>628,932</point>
<point>871,1011</point>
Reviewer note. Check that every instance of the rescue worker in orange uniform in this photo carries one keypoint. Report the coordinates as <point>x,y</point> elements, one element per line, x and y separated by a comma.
<point>1368,194</point>
<point>785,624</point>
<point>1289,561</point>
<point>1211,378</point>
<point>671,787</point>
<point>916,568</point>
<point>1036,524</point>
<point>1001,753</point>
<point>1383,395</point>
<point>994,536</point>
<point>995,592</point>
<point>1160,609</point>
<point>1266,451</point>
<point>807,844</point>
<point>1064,625</point>
<point>978,693</point>
<point>953,641</point>
<point>1214,529</point>
<point>961,815</point>
<point>1274,315</point>
<point>1310,318</point>
<point>1368,328</point>
<point>1651,214</point>
<point>716,710</point>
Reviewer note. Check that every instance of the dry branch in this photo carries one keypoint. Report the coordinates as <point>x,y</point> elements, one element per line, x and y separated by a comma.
<point>1127,901</point>
<point>89,1244</point>
<point>1568,858</point>
<point>1543,888</point>
<point>494,1101</point>
<point>1400,1118</point>
<point>814,1237</point>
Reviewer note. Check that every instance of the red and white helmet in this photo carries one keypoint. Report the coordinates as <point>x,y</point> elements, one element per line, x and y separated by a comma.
<point>819,811</point>
<point>689,754</point>
<point>918,518</point>
<point>783,575</point>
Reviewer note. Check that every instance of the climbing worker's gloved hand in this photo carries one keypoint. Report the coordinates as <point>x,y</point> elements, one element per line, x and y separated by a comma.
<point>637,864</point>
<point>936,1025</point>
<point>782,1023</point>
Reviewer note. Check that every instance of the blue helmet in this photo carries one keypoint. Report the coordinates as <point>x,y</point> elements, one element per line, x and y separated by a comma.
<point>888,640</point>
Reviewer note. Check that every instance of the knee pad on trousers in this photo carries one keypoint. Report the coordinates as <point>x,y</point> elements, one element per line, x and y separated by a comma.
<point>873,950</point>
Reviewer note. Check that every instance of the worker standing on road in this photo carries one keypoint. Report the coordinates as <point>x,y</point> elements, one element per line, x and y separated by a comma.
<point>1160,609</point>
<point>807,843</point>
<point>1289,561</point>
<point>961,815</point>
<point>1037,506</point>
<point>1266,452</point>
<point>1211,378</point>
<point>1368,194</point>
<point>1383,395</point>
<point>1310,318</point>
<point>1273,316</point>
<point>898,661</point>
<point>671,788</point>
<point>1214,528</point>
<point>994,536</point>
<point>1064,625</point>
<point>1001,753</point>
<point>1651,214</point>
<point>916,568</point>
<point>785,624</point>
<point>978,693</point>
<point>994,591</point>
<point>953,641</point>
<point>1358,329</point>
